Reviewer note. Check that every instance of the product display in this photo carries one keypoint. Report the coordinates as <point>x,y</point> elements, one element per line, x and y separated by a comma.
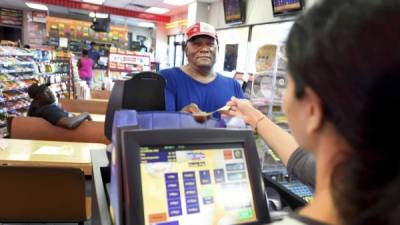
<point>58,75</point>
<point>266,93</point>
<point>20,68</point>
<point>12,51</point>
<point>11,17</point>
<point>37,33</point>
<point>269,81</point>
<point>128,61</point>
<point>16,73</point>
<point>75,30</point>
<point>268,84</point>
<point>265,57</point>
<point>82,90</point>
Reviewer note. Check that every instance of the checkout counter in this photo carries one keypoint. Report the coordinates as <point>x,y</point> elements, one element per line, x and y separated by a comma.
<point>165,170</point>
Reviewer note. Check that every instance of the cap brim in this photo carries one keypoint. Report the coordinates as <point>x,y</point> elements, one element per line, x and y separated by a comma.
<point>202,34</point>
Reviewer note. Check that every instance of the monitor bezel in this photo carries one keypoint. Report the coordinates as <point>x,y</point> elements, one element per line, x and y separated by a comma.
<point>136,138</point>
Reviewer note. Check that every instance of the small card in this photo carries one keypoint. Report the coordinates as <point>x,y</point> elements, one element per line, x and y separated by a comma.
<point>54,150</point>
<point>3,146</point>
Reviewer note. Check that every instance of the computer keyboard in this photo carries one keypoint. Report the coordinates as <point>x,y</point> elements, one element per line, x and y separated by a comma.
<point>278,176</point>
<point>291,184</point>
<point>299,189</point>
<point>275,170</point>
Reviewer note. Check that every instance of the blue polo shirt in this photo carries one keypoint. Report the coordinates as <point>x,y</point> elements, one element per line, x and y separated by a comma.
<point>94,55</point>
<point>181,90</point>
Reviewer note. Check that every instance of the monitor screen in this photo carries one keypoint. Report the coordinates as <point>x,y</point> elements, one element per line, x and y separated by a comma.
<point>283,7</point>
<point>101,24</point>
<point>196,184</point>
<point>192,176</point>
<point>234,11</point>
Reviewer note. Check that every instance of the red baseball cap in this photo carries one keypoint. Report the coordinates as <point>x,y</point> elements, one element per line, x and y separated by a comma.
<point>200,28</point>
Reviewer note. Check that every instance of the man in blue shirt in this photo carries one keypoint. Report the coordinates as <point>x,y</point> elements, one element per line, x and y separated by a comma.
<point>93,54</point>
<point>196,87</point>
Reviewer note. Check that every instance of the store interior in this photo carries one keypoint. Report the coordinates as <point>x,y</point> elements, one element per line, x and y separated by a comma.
<point>41,41</point>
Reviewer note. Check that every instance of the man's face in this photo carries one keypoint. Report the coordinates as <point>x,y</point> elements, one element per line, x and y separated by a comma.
<point>201,51</point>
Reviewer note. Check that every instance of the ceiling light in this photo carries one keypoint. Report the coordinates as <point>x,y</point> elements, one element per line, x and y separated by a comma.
<point>156,10</point>
<point>98,15</point>
<point>36,6</point>
<point>178,2</point>
<point>146,24</point>
<point>98,2</point>
<point>102,15</point>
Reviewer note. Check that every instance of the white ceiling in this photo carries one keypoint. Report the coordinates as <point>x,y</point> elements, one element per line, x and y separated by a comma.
<point>130,4</point>
<point>136,5</point>
<point>17,4</point>
<point>124,4</point>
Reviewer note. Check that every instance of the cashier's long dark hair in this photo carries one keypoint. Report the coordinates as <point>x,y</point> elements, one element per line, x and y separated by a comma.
<point>348,52</point>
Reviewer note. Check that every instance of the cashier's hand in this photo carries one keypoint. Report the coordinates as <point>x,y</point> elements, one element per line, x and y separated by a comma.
<point>244,109</point>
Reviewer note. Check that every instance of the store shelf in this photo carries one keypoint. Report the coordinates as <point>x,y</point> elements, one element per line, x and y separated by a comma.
<point>22,96</point>
<point>23,77</point>
<point>18,63</point>
<point>17,108</point>
<point>126,71</point>
<point>258,102</point>
<point>3,123</point>
<point>13,54</point>
<point>13,89</point>
<point>17,71</point>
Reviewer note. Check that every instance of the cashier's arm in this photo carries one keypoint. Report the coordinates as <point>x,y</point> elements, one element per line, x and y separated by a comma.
<point>278,139</point>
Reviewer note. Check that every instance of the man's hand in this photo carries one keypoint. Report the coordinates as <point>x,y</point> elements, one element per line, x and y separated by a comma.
<point>191,108</point>
<point>196,112</point>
